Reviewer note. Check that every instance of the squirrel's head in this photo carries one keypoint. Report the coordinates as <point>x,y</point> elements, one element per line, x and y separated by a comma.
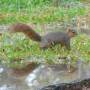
<point>71,32</point>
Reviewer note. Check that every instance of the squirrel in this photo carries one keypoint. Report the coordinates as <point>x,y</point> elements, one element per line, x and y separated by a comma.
<point>47,40</point>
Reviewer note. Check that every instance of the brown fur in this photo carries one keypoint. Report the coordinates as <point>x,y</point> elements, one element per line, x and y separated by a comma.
<point>49,39</point>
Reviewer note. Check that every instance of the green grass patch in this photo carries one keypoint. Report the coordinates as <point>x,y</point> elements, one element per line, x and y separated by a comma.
<point>19,49</point>
<point>38,11</point>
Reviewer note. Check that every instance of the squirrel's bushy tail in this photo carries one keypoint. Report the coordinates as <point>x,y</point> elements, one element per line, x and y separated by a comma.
<point>27,30</point>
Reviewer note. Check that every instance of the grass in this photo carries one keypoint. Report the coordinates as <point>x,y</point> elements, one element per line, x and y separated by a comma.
<point>20,50</point>
<point>38,11</point>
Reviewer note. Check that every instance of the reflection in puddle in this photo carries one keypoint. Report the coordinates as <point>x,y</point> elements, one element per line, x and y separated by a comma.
<point>41,76</point>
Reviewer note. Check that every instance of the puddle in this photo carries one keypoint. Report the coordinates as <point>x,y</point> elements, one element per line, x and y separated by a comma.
<point>43,75</point>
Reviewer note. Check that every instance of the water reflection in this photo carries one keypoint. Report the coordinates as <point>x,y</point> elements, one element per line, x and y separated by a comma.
<point>41,76</point>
